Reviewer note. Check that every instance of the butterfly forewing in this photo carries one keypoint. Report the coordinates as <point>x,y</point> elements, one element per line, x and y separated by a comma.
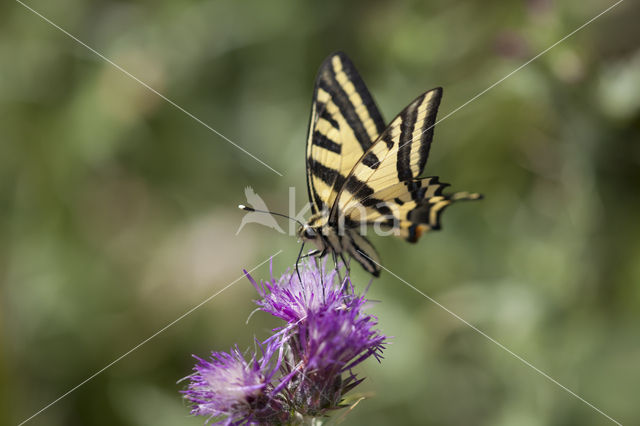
<point>399,154</point>
<point>384,189</point>
<point>344,124</point>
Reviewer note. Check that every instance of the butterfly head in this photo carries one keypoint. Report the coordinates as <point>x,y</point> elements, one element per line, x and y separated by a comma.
<point>307,233</point>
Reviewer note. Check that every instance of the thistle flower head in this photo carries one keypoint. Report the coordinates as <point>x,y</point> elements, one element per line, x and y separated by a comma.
<point>231,390</point>
<point>333,342</point>
<point>327,334</point>
<point>328,345</point>
<point>292,300</point>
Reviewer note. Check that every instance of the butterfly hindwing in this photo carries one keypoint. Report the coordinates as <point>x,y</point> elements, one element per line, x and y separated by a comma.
<point>411,207</point>
<point>344,124</point>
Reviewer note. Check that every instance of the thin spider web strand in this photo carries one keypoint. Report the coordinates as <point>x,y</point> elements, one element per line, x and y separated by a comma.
<point>500,345</point>
<point>144,342</point>
<point>151,89</point>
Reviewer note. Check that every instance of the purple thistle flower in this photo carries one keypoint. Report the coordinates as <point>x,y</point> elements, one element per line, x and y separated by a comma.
<point>232,391</point>
<point>327,334</point>
<point>338,341</point>
<point>291,300</point>
<point>327,345</point>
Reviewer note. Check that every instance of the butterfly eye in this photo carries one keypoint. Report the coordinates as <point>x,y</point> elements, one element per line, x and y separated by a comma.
<point>309,233</point>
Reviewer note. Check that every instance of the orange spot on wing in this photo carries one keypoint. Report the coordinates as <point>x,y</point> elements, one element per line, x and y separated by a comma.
<point>421,229</point>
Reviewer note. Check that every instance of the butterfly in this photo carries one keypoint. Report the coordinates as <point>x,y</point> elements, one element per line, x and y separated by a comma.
<point>361,172</point>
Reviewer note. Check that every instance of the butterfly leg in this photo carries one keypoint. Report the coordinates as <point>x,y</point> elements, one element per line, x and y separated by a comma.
<point>319,255</point>
<point>297,262</point>
<point>335,262</point>
<point>313,253</point>
<point>347,268</point>
<point>336,265</point>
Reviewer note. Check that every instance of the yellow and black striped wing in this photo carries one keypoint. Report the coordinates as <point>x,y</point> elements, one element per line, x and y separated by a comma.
<point>399,154</point>
<point>412,207</point>
<point>344,124</point>
<point>384,187</point>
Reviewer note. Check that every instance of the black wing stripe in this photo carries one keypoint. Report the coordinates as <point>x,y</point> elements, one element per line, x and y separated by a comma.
<point>358,188</point>
<point>370,160</point>
<point>426,132</point>
<point>364,192</point>
<point>362,90</point>
<point>326,115</point>
<point>341,99</point>
<point>386,138</point>
<point>324,142</point>
<point>403,162</point>
<point>325,174</point>
<point>316,200</point>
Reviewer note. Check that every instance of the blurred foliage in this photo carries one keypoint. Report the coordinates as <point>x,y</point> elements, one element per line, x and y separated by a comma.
<point>117,210</point>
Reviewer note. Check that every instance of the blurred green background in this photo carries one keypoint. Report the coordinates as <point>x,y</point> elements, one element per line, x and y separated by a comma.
<point>118,211</point>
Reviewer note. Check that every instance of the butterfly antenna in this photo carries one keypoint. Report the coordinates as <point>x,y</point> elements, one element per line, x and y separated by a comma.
<point>251,209</point>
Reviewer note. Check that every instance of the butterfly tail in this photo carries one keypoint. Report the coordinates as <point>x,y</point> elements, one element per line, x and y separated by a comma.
<point>426,216</point>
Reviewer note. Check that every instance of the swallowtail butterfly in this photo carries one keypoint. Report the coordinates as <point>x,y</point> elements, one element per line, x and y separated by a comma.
<point>362,172</point>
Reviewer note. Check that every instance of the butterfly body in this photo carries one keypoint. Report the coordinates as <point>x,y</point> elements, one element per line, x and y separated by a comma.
<point>339,240</point>
<point>361,172</point>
